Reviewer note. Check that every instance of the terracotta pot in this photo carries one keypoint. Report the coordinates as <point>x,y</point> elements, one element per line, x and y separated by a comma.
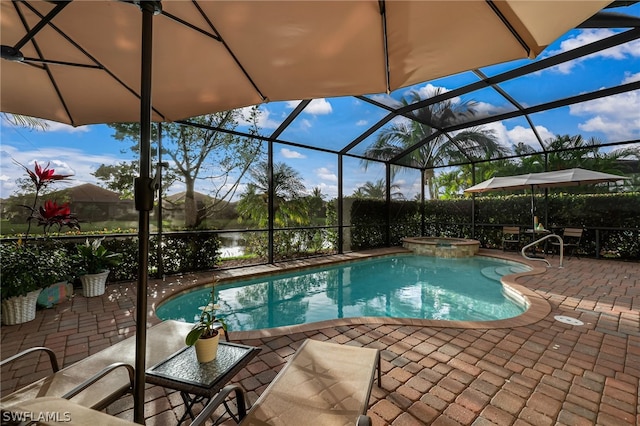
<point>207,349</point>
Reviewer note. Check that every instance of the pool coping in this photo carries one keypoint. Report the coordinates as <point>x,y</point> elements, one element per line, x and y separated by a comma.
<point>537,310</point>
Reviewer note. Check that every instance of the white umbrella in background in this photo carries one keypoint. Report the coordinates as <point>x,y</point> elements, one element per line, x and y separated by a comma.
<point>88,62</point>
<point>559,178</point>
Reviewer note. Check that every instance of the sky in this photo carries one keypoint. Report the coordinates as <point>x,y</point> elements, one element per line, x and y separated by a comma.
<point>333,122</point>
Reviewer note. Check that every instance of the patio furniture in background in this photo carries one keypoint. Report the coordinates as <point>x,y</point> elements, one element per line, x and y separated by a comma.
<point>558,178</point>
<point>510,236</point>
<point>571,241</point>
<point>322,384</point>
<point>182,371</point>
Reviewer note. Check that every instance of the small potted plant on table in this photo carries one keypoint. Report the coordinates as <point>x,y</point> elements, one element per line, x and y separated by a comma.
<point>204,334</point>
<point>94,262</point>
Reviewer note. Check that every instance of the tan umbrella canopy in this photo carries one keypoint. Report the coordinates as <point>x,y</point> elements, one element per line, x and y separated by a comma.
<point>88,62</point>
<point>218,55</point>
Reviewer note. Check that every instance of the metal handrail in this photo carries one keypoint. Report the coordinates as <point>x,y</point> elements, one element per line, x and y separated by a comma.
<point>546,237</point>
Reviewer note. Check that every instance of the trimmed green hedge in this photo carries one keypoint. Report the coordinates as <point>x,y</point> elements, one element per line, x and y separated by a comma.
<point>598,214</point>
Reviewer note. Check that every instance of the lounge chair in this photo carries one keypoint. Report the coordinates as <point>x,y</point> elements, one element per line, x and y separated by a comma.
<point>110,369</point>
<point>322,384</point>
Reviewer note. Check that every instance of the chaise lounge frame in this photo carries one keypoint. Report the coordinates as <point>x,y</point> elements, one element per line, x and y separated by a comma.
<point>327,382</point>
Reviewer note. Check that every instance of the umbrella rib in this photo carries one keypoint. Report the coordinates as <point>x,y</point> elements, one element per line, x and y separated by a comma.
<point>509,27</point>
<point>44,20</point>
<point>190,25</point>
<point>385,42</point>
<point>97,63</point>
<point>226,46</point>
<point>54,62</point>
<point>45,67</point>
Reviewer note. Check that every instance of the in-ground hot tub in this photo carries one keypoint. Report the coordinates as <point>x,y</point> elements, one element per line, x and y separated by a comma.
<point>442,246</point>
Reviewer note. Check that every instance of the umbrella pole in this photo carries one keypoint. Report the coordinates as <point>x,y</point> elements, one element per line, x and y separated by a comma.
<point>533,213</point>
<point>144,204</point>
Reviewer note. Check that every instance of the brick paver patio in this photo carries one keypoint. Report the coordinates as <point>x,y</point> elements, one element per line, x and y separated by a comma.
<point>535,370</point>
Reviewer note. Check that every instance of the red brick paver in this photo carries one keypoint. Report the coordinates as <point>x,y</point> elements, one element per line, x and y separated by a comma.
<point>539,371</point>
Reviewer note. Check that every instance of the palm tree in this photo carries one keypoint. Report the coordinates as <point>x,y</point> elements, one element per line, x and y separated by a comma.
<point>441,149</point>
<point>25,121</point>
<point>377,190</point>
<point>289,203</point>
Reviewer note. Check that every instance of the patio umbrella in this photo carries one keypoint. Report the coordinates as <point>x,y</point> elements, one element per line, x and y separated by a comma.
<point>559,178</point>
<point>91,62</point>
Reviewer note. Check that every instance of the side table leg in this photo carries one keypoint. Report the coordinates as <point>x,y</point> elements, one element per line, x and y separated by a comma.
<point>189,402</point>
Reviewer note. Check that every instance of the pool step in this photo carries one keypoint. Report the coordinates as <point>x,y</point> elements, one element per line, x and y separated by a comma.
<point>496,272</point>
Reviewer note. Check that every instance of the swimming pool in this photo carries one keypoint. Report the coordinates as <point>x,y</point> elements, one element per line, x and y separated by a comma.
<point>402,286</point>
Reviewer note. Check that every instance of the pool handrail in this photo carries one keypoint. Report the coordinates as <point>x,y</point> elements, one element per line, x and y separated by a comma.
<point>546,237</point>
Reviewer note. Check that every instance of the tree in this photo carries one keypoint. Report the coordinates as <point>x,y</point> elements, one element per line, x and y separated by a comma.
<point>377,190</point>
<point>564,152</point>
<point>440,149</point>
<point>25,121</point>
<point>118,177</point>
<point>290,207</point>
<point>202,152</point>
<point>316,204</point>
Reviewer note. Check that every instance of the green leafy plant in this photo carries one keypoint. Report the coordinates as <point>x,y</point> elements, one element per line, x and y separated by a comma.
<point>94,258</point>
<point>29,267</point>
<point>207,326</point>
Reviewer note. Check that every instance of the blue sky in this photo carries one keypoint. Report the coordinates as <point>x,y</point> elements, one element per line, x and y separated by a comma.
<point>332,123</point>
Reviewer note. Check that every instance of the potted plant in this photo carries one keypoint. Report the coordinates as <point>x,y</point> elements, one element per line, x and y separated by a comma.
<point>94,261</point>
<point>26,270</point>
<point>30,265</point>
<point>204,334</point>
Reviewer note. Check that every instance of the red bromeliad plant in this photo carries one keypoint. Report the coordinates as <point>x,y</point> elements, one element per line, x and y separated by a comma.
<point>51,214</point>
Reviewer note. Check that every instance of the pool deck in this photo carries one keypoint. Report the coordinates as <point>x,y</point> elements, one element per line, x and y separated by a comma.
<point>529,370</point>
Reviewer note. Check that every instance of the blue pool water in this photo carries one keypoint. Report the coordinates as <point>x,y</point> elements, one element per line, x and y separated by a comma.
<point>405,286</point>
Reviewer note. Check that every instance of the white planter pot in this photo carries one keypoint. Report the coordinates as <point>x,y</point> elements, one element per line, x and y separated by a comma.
<point>94,284</point>
<point>207,349</point>
<point>19,309</point>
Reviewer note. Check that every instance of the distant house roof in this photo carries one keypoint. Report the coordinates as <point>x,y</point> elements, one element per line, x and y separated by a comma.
<point>87,193</point>
<point>179,197</point>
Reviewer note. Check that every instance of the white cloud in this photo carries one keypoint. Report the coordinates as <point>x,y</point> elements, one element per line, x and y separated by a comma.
<point>620,52</point>
<point>264,120</point>
<point>305,124</point>
<point>53,126</point>
<point>385,99</point>
<point>500,132</point>
<point>288,153</point>
<point>630,78</point>
<point>617,116</point>
<point>318,107</point>
<point>329,191</point>
<point>292,104</point>
<point>362,123</point>
<point>326,174</point>
<point>520,134</point>
<point>484,109</point>
<point>429,91</point>
<point>73,162</point>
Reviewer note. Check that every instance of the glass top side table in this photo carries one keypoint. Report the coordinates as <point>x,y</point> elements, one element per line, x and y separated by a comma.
<point>182,372</point>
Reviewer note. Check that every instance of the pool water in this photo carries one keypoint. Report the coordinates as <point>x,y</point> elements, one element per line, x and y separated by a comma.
<point>404,286</point>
